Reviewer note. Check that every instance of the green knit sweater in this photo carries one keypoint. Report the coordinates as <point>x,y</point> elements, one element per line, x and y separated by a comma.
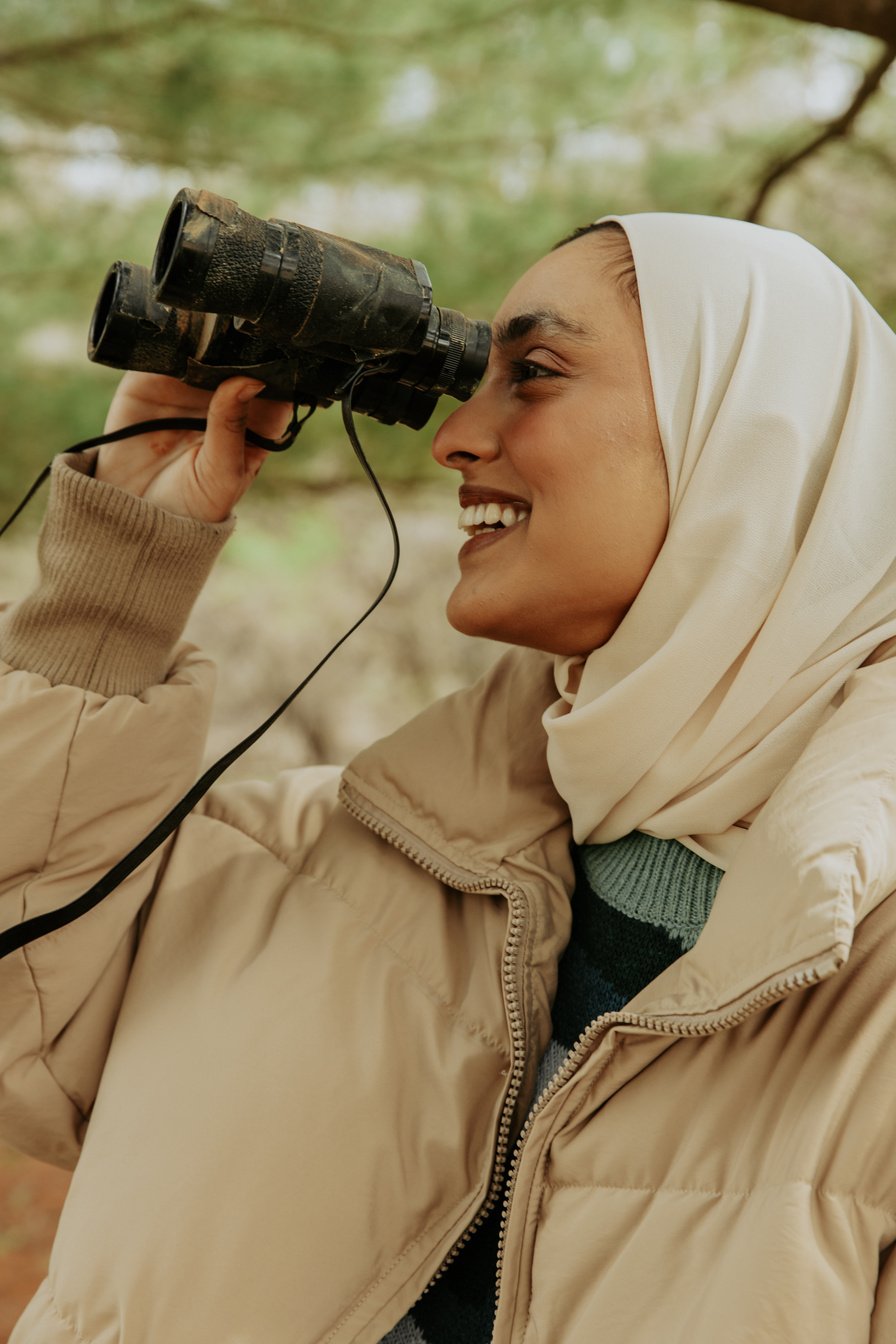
<point>639,903</point>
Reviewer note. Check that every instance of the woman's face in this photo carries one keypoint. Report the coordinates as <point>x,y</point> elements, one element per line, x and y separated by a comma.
<point>563,431</point>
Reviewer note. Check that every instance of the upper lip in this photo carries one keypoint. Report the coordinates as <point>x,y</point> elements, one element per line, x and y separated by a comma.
<point>482,494</point>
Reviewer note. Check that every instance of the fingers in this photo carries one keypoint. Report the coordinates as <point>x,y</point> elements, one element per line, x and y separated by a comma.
<point>201,474</point>
<point>147,396</point>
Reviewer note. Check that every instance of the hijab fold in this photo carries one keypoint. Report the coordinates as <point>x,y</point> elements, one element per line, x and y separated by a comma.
<point>775,389</point>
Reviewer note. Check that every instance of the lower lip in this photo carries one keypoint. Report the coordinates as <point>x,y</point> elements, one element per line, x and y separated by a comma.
<point>485,539</point>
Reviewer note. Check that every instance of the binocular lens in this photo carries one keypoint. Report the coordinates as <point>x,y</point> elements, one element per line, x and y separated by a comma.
<point>172,248</point>
<point>130,330</point>
<point>99,342</point>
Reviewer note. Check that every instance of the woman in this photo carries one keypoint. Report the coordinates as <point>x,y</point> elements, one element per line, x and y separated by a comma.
<point>308,1037</point>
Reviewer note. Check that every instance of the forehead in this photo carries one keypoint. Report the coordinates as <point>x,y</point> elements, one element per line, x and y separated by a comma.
<point>574,282</point>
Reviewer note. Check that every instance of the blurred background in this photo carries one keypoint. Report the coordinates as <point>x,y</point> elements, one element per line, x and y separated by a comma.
<point>470,135</point>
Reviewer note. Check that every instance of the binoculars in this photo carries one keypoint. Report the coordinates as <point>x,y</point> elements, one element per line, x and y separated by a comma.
<point>299,309</point>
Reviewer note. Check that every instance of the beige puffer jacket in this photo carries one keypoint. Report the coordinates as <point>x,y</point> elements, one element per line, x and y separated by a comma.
<point>291,1054</point>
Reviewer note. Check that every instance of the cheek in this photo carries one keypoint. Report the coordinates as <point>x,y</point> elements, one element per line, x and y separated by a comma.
<point>594,469</point>
<point>602,522</point>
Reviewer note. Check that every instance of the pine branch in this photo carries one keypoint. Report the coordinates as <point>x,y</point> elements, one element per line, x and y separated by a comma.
<point>877,18</point>
<point>838,129</point>
<point>414,39</point>
<point>73,44</point>
<point>344,39</point>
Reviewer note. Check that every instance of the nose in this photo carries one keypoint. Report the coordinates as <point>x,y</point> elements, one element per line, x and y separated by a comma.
<point>469,435</point>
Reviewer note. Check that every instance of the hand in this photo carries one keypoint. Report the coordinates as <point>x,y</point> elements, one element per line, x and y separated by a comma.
<point>199,474</point>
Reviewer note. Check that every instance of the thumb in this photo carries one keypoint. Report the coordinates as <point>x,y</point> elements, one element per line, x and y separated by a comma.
<point>227,421</point>
<point>223,467</point>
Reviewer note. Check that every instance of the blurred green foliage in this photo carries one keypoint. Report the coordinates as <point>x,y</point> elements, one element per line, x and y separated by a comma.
<point>472,136</point>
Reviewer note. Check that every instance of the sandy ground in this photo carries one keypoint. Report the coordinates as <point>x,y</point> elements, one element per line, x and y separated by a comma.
<point>293,578</point>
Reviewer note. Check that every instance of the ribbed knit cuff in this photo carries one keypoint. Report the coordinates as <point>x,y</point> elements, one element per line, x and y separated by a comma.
<point>118,579</point>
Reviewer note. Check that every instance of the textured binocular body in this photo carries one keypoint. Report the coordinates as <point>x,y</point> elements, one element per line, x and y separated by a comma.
<point>230,294</point>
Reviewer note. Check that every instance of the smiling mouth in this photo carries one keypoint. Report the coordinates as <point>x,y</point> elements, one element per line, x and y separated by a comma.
<point>478,519</point>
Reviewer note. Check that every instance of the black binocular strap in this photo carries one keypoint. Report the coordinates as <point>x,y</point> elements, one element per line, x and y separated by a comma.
<point>39,925</point>
<point>286,440</point>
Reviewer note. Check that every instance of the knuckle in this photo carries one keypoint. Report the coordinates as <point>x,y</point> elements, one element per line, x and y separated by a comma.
<point>235,422</point>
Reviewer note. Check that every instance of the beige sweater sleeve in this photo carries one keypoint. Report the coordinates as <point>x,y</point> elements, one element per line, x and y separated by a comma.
<point>118,579</point>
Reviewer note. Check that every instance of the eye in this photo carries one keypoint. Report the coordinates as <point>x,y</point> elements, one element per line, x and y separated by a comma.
<point>527,371</point>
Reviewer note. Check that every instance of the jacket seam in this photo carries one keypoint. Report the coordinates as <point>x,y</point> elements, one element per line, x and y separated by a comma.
<point>614,1051</point>
<point>821,1191</point>
<point>38,994</point>
<point>64,1320</point>
<point>206,814</point>
<point>453,1013</point>
<point>846,896</point>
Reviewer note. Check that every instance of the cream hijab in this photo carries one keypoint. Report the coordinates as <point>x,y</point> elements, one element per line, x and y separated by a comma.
<point>775,390</point>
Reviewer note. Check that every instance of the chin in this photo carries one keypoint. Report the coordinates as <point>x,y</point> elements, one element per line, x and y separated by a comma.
<point>485,620</point>
<point>480,623</point>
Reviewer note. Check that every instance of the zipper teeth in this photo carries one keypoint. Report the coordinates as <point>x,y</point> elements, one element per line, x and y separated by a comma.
<point>580,1050</point>
<point>516,926</point>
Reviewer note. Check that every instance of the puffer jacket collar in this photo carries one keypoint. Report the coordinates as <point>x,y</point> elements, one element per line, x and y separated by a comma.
<point>467,783</point>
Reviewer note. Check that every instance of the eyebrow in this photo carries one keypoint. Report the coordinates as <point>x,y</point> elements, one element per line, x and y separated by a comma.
<point>541,320</point>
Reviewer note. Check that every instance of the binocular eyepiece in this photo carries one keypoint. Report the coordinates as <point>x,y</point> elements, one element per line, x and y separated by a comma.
<point>300,309</point>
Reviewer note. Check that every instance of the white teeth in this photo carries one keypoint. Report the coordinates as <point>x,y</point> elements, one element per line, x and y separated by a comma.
<point>477,518</point>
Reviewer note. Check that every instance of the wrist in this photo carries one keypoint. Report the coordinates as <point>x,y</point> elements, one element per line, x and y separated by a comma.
<point>119,576</point>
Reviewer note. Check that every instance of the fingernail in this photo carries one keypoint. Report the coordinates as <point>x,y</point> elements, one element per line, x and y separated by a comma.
<point>249,391</point>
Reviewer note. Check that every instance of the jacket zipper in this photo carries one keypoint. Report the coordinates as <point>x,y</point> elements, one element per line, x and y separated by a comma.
<point>812,972</point>
<point>817,970</point>
<point>458,880</point>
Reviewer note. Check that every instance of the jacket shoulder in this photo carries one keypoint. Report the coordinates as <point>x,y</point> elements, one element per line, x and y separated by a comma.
<point>285,815</point>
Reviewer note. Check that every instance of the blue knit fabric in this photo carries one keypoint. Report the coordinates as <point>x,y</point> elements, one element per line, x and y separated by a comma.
<point>638,904</point>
